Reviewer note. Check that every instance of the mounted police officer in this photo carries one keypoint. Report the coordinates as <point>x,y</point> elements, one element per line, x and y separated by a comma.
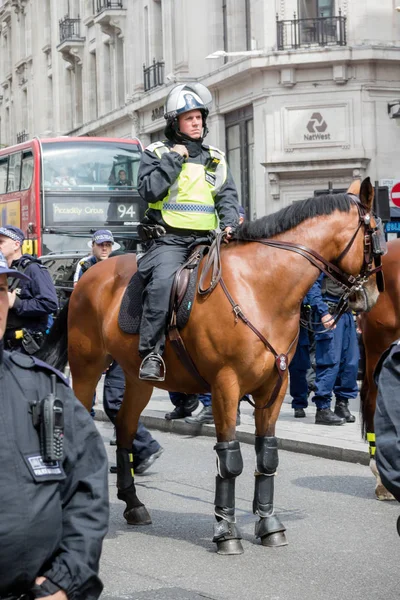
<point>32,301</point>
<point>336,354</point>
<point>53,480</point>
<point>187,186</point>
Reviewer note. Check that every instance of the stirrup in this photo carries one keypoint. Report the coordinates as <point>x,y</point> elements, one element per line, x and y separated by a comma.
<point>156,358</point>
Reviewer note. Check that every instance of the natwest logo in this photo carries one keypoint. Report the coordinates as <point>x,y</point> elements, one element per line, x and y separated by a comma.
<point>316,128</point>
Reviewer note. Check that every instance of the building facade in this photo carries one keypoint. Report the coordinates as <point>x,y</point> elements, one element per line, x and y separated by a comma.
<point>304,90</point>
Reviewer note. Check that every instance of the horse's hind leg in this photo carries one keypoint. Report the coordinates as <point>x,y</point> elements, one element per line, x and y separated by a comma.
<point>85,376</point>
<point>136,397</point>
<point>269,528</point>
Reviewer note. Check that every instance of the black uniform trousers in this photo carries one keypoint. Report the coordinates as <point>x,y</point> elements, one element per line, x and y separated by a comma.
<point>144,445</point>
<point>156,269</point>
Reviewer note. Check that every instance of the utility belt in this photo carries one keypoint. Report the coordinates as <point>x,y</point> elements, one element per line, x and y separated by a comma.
<point>31,341</point>
<point>154,231</point>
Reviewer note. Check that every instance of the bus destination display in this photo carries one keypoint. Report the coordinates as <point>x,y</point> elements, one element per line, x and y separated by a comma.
<point>91,211</point>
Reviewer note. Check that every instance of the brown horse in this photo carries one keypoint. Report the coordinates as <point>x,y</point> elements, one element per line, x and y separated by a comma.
<point>267,274</point>
<point>380,328</point>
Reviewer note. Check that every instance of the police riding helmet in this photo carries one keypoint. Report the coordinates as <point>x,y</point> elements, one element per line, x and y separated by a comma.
<point>182,99</point>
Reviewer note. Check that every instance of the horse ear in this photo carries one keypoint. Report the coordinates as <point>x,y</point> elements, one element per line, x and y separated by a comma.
<point>367,193</point>
<point>354,187</point>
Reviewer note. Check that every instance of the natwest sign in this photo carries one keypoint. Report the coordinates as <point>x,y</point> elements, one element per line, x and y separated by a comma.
<point>323,126</point>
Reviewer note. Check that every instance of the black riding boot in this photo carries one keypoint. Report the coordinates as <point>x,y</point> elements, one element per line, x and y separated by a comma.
<point>152,368</point>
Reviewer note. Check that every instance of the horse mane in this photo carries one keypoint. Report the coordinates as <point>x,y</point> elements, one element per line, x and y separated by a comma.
<point>291,216</point>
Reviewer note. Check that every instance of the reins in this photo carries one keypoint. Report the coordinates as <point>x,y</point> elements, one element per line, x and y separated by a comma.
<point>349,283</point>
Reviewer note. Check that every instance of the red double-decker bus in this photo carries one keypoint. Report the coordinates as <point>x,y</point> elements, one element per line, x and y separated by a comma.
<point>60,190</point>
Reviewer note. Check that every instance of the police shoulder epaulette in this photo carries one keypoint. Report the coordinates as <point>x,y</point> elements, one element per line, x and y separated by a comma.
<point>30,362</point>
<point>157,146</point>
<point>214,149</point>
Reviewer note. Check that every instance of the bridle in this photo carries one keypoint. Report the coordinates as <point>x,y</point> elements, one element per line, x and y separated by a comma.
<point>374,248</point>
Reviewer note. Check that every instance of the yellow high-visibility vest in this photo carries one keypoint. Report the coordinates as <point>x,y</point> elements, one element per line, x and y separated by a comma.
<point>189,203</point>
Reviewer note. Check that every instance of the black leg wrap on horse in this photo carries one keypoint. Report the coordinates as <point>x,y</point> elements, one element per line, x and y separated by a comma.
<point>267,462</point>
<point>225,499</point>
<point>229,459</point>
<point>229,466</point>
<point>269,528</point>
<point>125,471</point>
<point>135,512</point>
<point>266,454</point>
<point>263,503</point>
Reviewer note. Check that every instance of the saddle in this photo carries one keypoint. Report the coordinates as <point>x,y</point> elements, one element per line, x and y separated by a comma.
<point>181,299</point>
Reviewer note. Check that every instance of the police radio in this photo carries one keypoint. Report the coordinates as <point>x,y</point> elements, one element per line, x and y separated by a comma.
<point>48,416</point>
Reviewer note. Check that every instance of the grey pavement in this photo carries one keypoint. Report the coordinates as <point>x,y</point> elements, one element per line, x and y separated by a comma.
<point>295,435</point>
<point>342,543</point>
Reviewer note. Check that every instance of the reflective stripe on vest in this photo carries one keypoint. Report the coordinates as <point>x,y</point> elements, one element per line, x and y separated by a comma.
<point>189,203</point>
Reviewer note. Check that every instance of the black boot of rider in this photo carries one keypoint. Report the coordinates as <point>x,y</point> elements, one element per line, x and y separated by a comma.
<point>342,410</point>
<point>152,368</point>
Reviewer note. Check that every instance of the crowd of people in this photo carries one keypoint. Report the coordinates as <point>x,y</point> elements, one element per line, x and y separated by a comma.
<point>56,496</point>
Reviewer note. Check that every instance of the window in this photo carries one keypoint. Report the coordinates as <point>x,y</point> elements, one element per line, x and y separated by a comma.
<point>14,172</point>
<point>3,174</point>
<point>311,9</point>
<point>240,153</point>
<point>236,25</point>
<point>90,166</point>
<point>27,170</point>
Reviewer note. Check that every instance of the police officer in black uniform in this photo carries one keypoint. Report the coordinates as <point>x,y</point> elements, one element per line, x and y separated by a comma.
<point>31,301</point>
<point>186,185</point>
<point>53,480</point>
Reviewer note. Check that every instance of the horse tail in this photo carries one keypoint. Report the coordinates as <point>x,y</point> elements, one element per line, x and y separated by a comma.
<point>55,349</point>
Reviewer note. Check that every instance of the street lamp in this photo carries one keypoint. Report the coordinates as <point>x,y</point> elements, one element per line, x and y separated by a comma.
<point>223,53</point>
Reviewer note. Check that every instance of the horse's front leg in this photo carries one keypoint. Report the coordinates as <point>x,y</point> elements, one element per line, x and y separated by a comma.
<point>269,528</point>
<point>136,397</point>
<point>229,466</point>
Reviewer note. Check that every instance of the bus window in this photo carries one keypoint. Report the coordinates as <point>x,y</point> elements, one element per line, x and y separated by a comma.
<point>3,175</point>
<point>14,172</point>
<point>27,170</point>
<point>91,166</point>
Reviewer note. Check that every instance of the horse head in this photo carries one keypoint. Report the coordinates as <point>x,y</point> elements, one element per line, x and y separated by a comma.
<point>365,249</point>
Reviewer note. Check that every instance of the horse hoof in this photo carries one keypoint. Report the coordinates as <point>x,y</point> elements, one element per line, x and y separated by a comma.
<point>229,547</point>
<point>137,516</point>
<point>383,494</point>
<point>273,540</point>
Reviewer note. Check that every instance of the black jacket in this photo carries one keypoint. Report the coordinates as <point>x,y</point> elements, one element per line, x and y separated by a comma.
<point>53,518</point>
<point>387,419</point>
<point>156,176</point>
<point>36,299</point>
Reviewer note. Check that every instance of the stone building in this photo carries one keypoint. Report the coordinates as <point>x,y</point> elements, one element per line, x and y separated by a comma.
<point>304,90</point>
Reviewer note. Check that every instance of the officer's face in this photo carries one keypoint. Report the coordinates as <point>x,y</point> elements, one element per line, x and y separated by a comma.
<point>191,123</point>
<point>9,248</point>
<point>102,251</point>
<point>3,304</point>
